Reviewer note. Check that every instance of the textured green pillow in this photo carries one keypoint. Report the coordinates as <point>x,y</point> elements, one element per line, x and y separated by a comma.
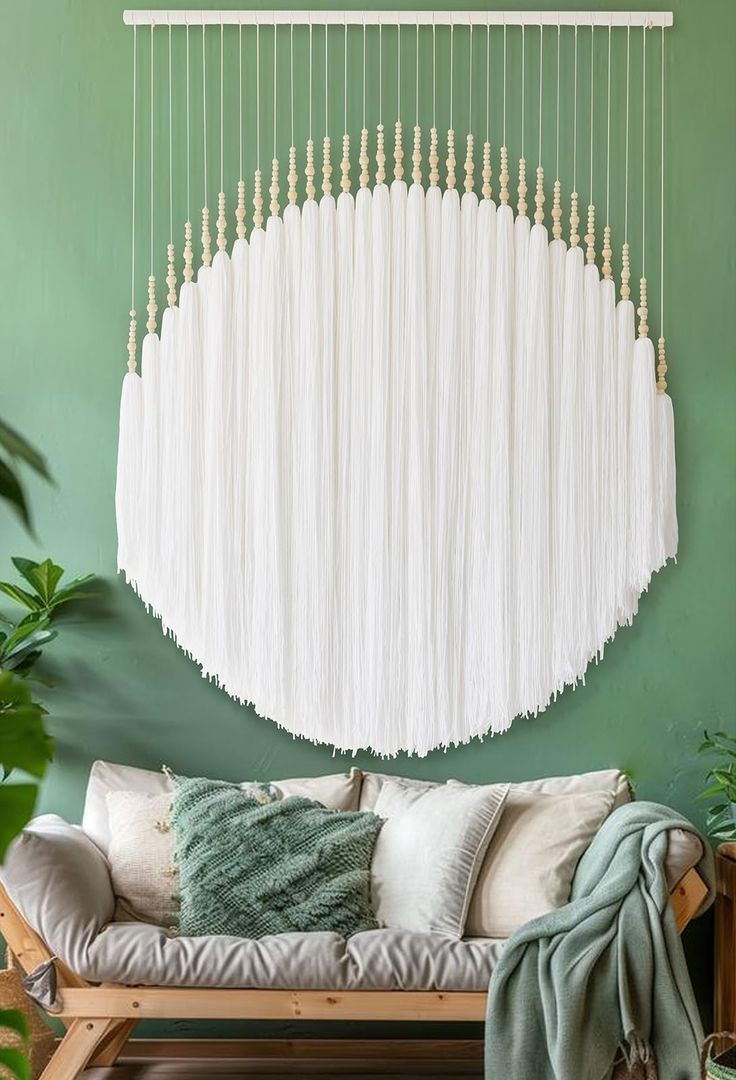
<point>249,869</point>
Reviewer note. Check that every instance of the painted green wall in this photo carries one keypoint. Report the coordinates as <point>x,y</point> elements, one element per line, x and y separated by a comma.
<point>125,692</point>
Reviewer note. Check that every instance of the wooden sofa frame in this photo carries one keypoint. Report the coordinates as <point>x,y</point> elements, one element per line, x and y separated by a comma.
<point>99,1019</point>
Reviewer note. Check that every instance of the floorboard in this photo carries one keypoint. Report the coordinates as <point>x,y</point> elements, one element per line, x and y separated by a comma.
<point>286,1070</point>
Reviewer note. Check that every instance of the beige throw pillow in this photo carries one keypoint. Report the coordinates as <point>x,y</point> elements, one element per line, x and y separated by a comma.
<point>530,863</point>
<point>429,851</point>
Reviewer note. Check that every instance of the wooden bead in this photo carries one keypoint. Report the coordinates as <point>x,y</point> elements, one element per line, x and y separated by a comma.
<point>221,222</point>
<point>487,172</point>
<point>257,201</point>
<point>503,176</point>
<point>309,170</point>
<point>152,308</point>
<point>188,253</point>
<point>557,211</point>
<point>206,239</point>
<point>240,211</point>
<point>434,158</point>
<point>450,162</point>
<point>590,237</point>
<point>469,182</point>
<point>539,197</point>
<point>522,188</point>
<point>643,311</point>
<point>607,252</point>
<point>574,220</point>
<point>364,160</point>
<point>416,157</point>
<point>625,273</point>
<point>274,189</point>
<point>132,365</point>
<point>345,164</point>
<point>661,367</point>
<point>326,167</point>
<point>292,177</point>
<point>171,276</point>
<point>398,151</point>
<point>380,156</point>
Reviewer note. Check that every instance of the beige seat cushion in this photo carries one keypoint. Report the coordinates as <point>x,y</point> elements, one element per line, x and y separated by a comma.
<point>340,791</point>
<point>429,851</point>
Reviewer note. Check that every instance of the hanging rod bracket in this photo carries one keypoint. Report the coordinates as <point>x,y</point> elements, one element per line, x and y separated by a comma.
<point>269,17</point>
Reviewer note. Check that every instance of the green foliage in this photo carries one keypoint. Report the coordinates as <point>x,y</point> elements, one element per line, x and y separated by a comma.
<point>21,643</point>
<point>16,1061</point>
<point>24,745</point>
<point>14,448</point>
<point>720,822</point>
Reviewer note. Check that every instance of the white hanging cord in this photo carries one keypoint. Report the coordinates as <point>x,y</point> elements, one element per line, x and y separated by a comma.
<point>416,87</point>
<point>258,95</point>
<point>470,79</point>
<point>523,84</point>
<point>592,100</point>
<point>345,79</point>
<point>189,170</point>
<point>363,88</point>
<point>488,79</point>
<point>398,70</point>
<point>452,60</point>
<point>171,154</point>
<point>557,107</point>
<point>310,80</point>
<point>661,205</point>
<point>152,146</point>
<point>380,73</point>
<point>188,254</point>
<point>275,55</point>
<point>434,73</point>
<point>240,101</point>
<point>132,326</point>
<point>222,105</point>
<point>575,116</point>
<point>504,81</point>
<point>626,154</point>
<point>204,114</point>
<point>291,79</point>
<point>643,147</point>
<point>608,131</point>
<point>327,95</point>
<point>541,61</point>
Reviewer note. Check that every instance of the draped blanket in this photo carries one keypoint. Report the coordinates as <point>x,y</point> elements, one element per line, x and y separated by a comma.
<point>606,972</point>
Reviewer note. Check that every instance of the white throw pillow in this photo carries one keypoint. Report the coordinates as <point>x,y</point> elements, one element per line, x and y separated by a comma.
<point>429,851</point>
<point>340,791</point>
<point>141,857</point>
<point>530,862</point>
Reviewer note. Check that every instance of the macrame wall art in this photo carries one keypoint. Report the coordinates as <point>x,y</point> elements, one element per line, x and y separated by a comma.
<point>396,465</point>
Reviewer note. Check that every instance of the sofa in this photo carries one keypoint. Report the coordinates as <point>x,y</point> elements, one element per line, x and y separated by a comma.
<point>100,966</point>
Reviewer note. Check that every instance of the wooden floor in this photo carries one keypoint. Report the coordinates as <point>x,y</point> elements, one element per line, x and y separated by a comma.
<point>432,1060</point>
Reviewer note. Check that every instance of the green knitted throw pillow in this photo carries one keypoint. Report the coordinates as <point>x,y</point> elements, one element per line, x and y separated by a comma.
<point>249,869</point>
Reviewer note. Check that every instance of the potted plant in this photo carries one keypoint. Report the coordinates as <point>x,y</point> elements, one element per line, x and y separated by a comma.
<point>720,823</point>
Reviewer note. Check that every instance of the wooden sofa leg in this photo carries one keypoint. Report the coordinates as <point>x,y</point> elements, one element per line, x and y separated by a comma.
<point>109,1049</point>
<point>77,1047</point>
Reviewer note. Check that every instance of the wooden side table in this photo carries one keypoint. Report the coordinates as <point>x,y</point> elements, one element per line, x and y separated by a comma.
<point>725,975</point>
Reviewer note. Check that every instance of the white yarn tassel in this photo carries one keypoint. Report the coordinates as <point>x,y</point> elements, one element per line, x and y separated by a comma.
<point>641,467</point>
<point>447,390</point>
<point>627,600</point>
<point>666,494</point>
<point>166,585</point>
<point>149,473</point>
<point>557,263</point>
<point>417,655</point>
<point>325,649</point>
<point>531,483</point>
<point>127,490</point>
<point>591,421</point>
<point>604,555</point>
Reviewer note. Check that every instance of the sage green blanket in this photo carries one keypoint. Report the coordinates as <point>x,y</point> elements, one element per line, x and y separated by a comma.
<point>605,972</point>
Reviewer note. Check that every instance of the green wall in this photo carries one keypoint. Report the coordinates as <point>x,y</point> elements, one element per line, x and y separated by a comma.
<point>123,691</point>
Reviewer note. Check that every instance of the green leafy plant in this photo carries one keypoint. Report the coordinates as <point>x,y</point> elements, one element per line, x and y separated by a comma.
<point>720,823</point>
<point>11,1058</point>
<point>24,745</point>
<point>22,640</point>
<point>13,449</point>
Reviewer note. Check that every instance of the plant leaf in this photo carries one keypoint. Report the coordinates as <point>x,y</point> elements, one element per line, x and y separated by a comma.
<point>21,596</point>
<point>14,1020</point>
<point>12,492</point>
<point>16,809</point>
<point>24,743</point>
<point>16,1061</point>
<point>45,578</point>
<point>18,447</point>
<point>73,591</point>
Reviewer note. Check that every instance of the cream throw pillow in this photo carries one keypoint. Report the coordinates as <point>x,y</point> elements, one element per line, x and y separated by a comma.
<point>429,851</point>
<point>530,863</point>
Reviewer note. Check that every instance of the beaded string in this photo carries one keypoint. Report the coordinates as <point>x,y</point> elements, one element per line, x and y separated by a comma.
<point>188,253</point>
<point>556,199</point>
<point>433,157</point>
<point>171,273</point>
<point>503,176</point>
<point>590,234</point>
<point>206,252</point>
<point>642,310</point>
<point>574,218</point>
<point>398,147</point>
<point>521,190</point>
<point>151,308</point>
<point>661,358</point>
<point>221,223</point>
<point>292,177</point>
<point>326,161</point>
<point>274,189</point>
<point>132,348</point>
<point>539,196</point>
<point>363,159</point>
<point>258,180</point>
<point>416,174</point>
<point>309,168</point>
<point>380,152</point>
<point>469,138</point>
<point>450,162</point>
<point>486,174</point>
<point>625,290</point>
<point>240,210</point>
<point>345,164</point>
<point>607,252</point>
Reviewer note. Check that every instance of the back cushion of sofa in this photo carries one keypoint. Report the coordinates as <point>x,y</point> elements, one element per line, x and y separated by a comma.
<point>340,791</point>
